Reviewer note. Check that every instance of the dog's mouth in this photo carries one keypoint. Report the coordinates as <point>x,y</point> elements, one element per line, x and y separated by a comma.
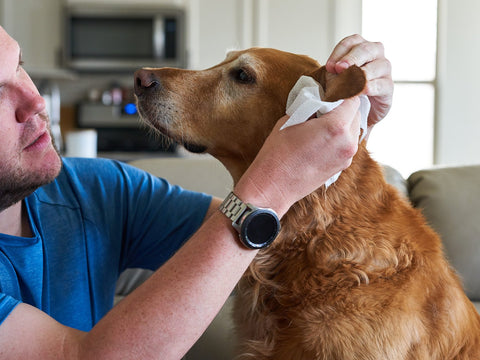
<point>188,145</point>
<point>151,116</point>
<point>195,148</point>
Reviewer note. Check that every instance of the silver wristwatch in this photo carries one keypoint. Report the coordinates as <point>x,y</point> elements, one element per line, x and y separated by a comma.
<point>257,227</point>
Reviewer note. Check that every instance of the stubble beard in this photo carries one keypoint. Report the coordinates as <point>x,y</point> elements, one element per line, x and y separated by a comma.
<point>17,182</point>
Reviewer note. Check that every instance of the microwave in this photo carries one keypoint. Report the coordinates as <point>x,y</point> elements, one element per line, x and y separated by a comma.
<point>123,38</point>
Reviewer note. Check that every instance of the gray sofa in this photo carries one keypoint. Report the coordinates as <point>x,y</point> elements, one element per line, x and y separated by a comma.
<point>449,198</point>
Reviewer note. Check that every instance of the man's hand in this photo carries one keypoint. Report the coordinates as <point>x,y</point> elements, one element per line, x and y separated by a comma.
<point>355,50</point>
<point>297,160</point>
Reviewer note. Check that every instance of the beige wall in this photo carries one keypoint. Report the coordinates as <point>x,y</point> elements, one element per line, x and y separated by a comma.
<point>310,27</point>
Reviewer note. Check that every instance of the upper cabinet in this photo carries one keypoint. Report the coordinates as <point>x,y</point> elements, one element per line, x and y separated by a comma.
<point>36,25</point>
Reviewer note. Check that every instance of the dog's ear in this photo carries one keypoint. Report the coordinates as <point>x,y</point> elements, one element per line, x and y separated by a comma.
<point>348,83</point>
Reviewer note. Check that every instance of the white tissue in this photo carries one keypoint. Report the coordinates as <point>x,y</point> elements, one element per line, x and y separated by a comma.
<point>305,99</point>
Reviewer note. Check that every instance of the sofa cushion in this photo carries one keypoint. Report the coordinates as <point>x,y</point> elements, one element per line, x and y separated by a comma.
<point>450,200</point>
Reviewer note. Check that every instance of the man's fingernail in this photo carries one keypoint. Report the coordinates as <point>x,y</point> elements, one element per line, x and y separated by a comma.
<point>341,65</point>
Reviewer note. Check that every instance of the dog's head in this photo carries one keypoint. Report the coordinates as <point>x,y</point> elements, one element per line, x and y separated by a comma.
<point>229,110</point>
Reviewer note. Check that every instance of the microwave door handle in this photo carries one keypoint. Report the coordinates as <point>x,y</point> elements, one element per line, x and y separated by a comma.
<point>159,38</point>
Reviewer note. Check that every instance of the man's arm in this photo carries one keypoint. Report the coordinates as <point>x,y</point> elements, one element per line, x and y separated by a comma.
<point>212,208</point>
<point>29,333</point>
<point>160,319</point>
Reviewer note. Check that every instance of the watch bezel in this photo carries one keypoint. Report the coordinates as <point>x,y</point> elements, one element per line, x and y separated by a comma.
<point>246,221</point>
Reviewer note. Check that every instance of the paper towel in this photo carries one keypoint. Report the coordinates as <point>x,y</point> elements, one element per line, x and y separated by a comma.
<point>81,143</point>
<point>305,100</point>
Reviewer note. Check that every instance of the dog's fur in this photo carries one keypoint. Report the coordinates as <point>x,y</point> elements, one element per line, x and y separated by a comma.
<point>355,273</point>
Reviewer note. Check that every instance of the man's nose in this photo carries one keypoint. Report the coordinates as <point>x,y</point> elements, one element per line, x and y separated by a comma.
<point>30,102</point>
<point>145,82</point>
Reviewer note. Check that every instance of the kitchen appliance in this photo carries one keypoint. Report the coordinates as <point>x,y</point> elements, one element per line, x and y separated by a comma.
<point>119,129</point>
<point>102,37</point>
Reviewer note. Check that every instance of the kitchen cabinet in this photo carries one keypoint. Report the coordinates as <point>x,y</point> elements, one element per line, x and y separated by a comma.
<point>36,25</point>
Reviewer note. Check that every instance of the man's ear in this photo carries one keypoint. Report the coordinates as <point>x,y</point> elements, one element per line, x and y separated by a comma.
<point>350,82</point>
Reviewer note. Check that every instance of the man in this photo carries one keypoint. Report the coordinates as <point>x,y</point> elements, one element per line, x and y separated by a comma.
<point>69,227</point>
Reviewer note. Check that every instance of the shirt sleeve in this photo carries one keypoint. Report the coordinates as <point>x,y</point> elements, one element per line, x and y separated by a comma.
<point>7,304</point>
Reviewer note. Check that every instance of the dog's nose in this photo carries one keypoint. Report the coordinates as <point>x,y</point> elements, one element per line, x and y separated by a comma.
<point>145,82</point>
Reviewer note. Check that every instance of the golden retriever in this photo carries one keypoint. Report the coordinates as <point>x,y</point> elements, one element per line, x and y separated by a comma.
<point>355,273</point>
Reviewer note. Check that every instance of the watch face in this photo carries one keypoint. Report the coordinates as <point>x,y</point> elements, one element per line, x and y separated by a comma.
<point>260,228</point>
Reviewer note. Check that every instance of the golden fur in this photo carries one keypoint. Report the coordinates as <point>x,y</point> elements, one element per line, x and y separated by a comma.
<point>355,273</point>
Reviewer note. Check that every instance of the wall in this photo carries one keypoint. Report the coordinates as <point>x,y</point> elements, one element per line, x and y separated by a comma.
<point>309,27</point>
<point>458,122</point>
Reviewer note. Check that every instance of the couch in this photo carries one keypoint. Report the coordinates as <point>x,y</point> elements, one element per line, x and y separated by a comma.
<point>449,197</point>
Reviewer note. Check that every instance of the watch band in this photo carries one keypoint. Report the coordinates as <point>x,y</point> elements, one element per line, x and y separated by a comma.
<point>233,208</point>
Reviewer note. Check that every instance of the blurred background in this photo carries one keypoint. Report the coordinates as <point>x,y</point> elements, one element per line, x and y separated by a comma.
<point>82,55</point>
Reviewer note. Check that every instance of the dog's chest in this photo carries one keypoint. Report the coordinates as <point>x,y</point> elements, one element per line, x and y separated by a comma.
<point>304,277</point>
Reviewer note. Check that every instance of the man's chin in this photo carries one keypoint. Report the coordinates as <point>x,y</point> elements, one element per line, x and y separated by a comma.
<point>46,165</point>
<point>21,180</point>
<point>52,166</point>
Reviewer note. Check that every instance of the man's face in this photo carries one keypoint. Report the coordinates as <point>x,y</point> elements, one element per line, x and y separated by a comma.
<point>28,158</point>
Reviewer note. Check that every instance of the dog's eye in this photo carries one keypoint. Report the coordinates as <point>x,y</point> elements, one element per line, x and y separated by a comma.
<point>242,76</point>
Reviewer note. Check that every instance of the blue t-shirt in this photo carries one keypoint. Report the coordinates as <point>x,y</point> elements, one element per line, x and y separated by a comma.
<point>96,219</point>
